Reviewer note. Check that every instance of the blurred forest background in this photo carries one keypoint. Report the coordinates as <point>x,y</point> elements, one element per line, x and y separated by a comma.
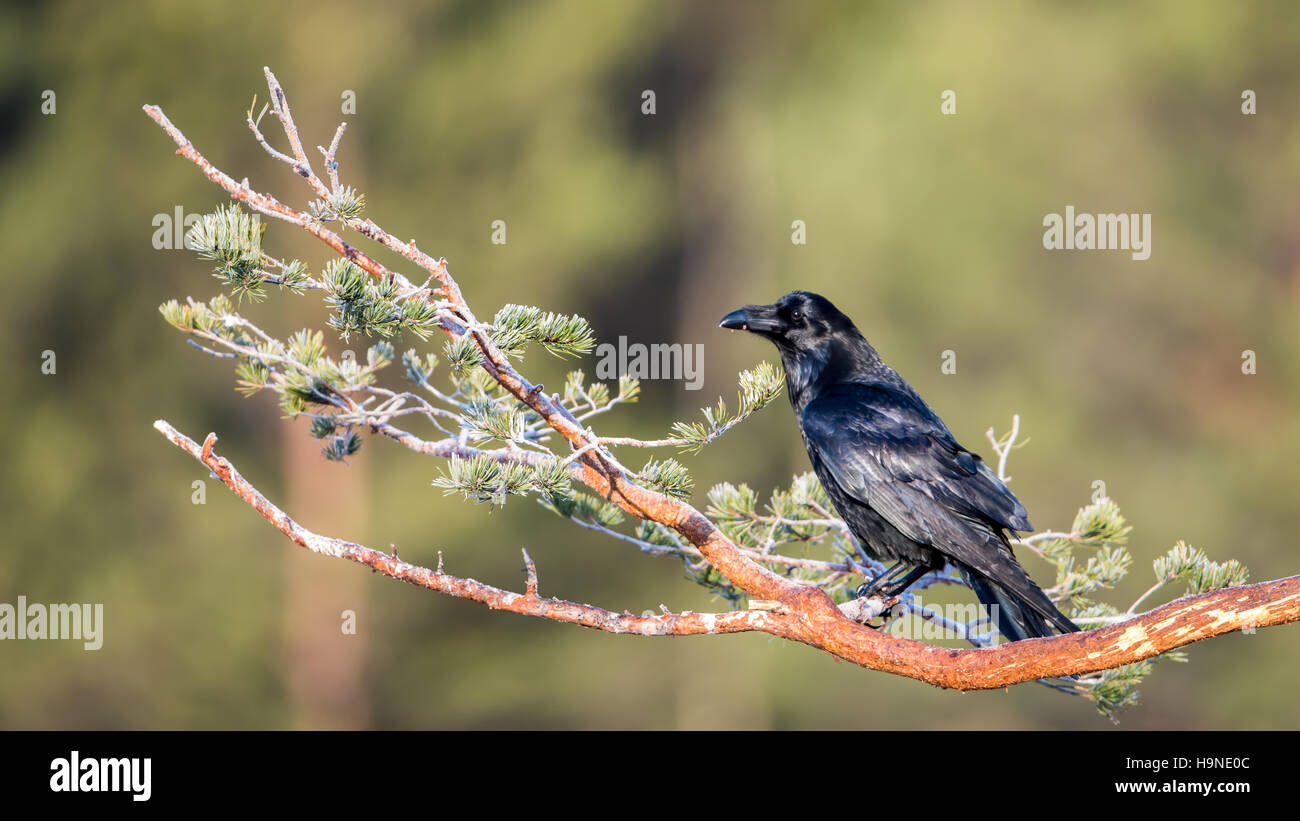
<point>926,229</point>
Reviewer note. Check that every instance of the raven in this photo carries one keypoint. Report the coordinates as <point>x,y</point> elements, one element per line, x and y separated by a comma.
<point>906,489</point>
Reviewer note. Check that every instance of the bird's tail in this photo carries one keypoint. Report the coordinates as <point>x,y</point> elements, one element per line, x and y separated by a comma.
<point>1021,610</point>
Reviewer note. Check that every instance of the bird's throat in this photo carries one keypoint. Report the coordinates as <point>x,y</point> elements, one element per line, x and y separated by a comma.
<point>803,370</point>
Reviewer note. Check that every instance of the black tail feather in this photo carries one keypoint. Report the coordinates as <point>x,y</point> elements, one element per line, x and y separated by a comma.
<point>1018,616</point>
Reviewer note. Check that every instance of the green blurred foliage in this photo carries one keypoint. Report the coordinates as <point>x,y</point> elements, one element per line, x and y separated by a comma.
<point>925,228</point>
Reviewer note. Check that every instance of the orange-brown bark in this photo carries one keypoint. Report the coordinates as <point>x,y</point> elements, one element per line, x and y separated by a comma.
<point>806,615</point>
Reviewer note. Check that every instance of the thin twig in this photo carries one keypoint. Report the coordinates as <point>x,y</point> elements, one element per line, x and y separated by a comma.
<point>528,604</point>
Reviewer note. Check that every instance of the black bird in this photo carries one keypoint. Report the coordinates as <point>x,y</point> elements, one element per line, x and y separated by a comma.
<point>907,490</point>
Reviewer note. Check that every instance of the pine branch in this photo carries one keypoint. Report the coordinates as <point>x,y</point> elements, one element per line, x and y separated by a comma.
<point>803,599</point>
<point>807,616</point>
<point>530,603</point>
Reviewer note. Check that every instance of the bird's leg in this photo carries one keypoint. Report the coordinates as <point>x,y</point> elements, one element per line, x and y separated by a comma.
<point>874,612</point>
<point>867,588</point>
<point>876,589</point>
<point>907,581</point>
<point>882,582</point>
<point>888,587</point>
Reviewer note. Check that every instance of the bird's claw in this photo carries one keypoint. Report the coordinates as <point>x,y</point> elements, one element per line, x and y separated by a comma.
<point>878,623</point>
<point>871,608</point>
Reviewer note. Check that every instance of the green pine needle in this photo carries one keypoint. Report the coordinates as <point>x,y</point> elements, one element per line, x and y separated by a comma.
<point>669,477</point>
<point>484,479</point>
<point>759,386</point>
<point>516,326</point>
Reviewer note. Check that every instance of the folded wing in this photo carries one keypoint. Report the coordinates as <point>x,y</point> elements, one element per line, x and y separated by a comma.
<point>885,448</point>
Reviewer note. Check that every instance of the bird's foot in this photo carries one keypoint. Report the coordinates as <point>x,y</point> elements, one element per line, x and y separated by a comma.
<point>871,608</point>
<point>882,621</point>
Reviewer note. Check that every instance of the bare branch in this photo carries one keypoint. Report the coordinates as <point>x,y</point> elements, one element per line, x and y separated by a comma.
<point>804,618</point>
<point>531,584</point>
<point>1003,449</point>
<point>529,604</point>
<point>331,158</point>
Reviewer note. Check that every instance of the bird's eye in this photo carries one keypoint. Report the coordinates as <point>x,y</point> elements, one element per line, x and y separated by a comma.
<point>796,315</point>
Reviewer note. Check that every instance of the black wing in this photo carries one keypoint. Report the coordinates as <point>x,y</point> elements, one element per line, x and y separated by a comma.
<point>887,449</point>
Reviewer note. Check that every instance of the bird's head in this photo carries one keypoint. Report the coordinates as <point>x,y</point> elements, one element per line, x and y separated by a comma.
<point>799,322</point>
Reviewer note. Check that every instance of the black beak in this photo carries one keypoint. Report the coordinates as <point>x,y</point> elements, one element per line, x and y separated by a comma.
<point>759,319</point>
